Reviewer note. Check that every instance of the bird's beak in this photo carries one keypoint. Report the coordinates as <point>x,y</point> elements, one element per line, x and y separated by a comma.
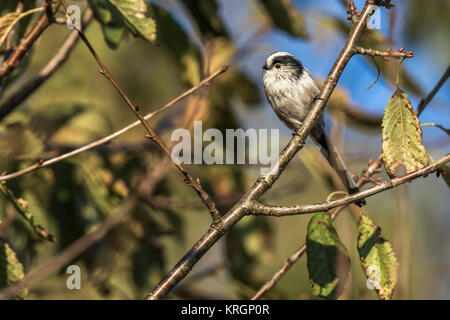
<point>265,67</point>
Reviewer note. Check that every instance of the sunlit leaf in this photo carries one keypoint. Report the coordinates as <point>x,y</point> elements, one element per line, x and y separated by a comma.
<point>328,261</point>
<point>403,151</point>
<point>286,17</point>
<point>11,269</point>
<point>377,258</point>
<point>135,14</point>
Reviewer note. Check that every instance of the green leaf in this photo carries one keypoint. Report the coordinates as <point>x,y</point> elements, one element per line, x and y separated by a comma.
<point>206,16</point>
<point>377,258</point>
<point>286,17</point>
<point>113,27</point>
<point>403,151</point>
<point>22,207</point>
<point>113,36</point>
<point>328,261</point>
<point>248,246</point>
<point>173,37</point>
<point>11,270</point>
<point>9,20</point>
<point>135,14</point>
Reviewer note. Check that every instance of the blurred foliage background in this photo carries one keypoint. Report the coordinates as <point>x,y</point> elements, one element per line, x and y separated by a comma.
<point>195,38</point>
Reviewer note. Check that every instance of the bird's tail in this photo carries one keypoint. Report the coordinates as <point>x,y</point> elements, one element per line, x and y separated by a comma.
<point>334,158</point>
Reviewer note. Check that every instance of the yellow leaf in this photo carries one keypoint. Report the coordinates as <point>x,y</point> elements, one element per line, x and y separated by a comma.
<point>403,151</point>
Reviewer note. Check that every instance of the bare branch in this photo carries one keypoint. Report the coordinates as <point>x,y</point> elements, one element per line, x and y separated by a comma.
<point>195,184</point>
<point>399,54</point>
<point>238,211</point>
<point>256,208</point>
<point>116,134</point>
<point>68,254</point>
<point>433,92</point>
<point>21,50</point>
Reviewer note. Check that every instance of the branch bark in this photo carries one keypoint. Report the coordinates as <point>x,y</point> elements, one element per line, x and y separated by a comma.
<point>399,54</point>
<point>195,184</point>
<point>256,208</point>
<point>264,183</point>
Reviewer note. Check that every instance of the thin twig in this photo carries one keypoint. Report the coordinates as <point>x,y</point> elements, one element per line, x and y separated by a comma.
<point>22,207</point>
<point>388,53</point>
<point>116,134</point>
<point>433,92</point>
<point>353,14</point>
<point>264,183</point>
<point>52,66</point>
<point>256,208</point>
<point>22,49</point>
<point>68,254</point>
<point>195,184</point>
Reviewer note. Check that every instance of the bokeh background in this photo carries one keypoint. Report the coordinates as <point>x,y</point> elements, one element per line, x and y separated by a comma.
<point>76,106</point>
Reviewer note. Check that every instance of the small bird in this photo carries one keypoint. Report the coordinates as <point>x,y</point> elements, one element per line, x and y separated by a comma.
<point>291,92</point>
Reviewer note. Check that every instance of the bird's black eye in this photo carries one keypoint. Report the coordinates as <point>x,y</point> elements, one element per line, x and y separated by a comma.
<point>278,65</point>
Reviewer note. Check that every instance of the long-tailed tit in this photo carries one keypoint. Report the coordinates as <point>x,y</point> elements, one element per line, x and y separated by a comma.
<point>291,92</point>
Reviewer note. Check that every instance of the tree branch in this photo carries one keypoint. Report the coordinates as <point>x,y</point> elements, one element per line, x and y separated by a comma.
<point>399,54</point>
<point>256,208</point>
<point>365,177</point>
<point>57,61</point>
<point>42,164</point>
<point>430,96</point>
<point>238,211</point>
<point>195,184</point>
<point>68,254</point>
